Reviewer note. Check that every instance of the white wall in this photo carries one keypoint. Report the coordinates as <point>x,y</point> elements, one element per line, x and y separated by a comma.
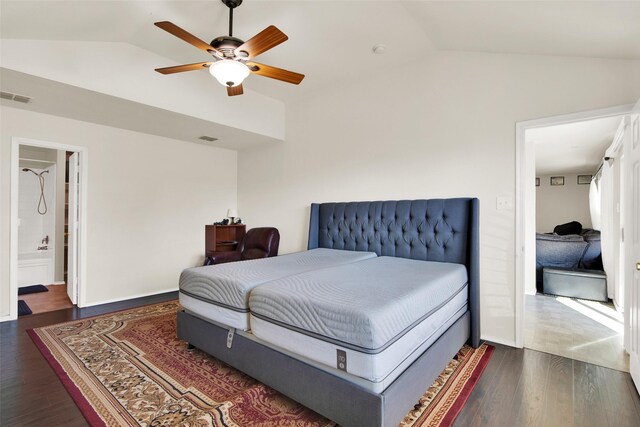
<point>559,204</point>
<point>34,226</point>
<point>448,129</point>
<point>148,202</point>
<point>98,66</point>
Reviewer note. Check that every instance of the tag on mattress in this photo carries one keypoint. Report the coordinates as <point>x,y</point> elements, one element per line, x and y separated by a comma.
<point>230,337</point>
<point>342,360</point>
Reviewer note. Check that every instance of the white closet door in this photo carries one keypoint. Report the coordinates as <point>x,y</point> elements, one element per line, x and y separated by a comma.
<point>72,228</point>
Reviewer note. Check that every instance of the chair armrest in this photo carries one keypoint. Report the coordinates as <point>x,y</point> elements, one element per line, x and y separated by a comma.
<point>222,257</point>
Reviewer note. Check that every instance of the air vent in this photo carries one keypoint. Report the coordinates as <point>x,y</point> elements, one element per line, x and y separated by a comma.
<point>14,97</point>
<point>208,138</point>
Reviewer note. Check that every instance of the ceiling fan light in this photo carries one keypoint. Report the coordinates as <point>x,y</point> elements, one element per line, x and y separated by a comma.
<point>229,72</point>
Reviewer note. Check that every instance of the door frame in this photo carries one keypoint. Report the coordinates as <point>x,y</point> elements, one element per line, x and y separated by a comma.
<point>525,199</point>
<point>16,142</point>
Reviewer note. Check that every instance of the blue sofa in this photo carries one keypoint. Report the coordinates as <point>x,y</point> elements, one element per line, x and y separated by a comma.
<point>567,252</point>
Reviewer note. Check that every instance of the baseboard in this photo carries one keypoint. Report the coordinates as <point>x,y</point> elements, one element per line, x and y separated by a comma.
<point>7,318</point>
<point>510,343</point>
<point>109,301</point>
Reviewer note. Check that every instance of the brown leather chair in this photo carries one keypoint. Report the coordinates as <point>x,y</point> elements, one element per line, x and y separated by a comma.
<point>261,242</point>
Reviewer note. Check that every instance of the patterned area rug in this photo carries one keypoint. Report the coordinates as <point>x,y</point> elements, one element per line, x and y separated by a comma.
<point>129,368</point>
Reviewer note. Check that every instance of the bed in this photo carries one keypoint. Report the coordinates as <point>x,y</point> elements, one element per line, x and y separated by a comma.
<point>360,342</point>
<point>220,293</point>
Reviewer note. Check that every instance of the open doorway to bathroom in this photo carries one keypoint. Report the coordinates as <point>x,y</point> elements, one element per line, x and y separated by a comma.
<point>42,219</point>
<point>47,226</point>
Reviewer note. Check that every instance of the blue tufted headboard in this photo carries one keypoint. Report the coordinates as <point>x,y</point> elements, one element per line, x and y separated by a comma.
<point>443,230</point>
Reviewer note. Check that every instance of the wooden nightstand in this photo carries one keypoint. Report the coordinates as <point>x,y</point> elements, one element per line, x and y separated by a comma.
<point>222,238</point>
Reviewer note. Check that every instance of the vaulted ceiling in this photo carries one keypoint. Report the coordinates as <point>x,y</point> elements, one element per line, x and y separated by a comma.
<point>331,41</point>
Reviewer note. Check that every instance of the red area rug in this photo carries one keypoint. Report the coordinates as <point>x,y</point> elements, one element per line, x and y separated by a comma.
<point>128,368</point>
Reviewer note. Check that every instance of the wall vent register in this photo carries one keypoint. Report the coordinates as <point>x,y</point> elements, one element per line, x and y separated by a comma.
<point>14,97</point>
<point>208,138</point>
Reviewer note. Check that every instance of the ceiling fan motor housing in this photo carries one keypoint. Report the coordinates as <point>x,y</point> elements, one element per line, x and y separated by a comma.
<point>232,4</point>
<point>226,45</point>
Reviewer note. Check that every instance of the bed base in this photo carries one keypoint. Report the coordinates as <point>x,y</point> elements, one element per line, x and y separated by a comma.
<point>331,396</point>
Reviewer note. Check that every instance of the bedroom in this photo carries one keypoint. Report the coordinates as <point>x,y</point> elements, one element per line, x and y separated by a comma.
<point>346,133</point>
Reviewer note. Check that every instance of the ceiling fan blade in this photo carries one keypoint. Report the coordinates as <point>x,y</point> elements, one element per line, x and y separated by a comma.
<point>185,67</point>
<point>188,37</point>
<point>235,90</point>
<point>262,42</point>
<point>275,73</point>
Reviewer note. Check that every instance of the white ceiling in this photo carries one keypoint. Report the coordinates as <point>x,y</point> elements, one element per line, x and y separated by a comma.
<point>331,41</point>
<point>573,147</point>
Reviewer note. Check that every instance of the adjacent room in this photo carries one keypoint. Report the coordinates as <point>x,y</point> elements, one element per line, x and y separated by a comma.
<point>47,230</point>
<point>576,307</point>
<point>319,213</point>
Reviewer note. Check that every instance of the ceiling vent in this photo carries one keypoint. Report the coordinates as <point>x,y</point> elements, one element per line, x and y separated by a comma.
<point>207,138</point>
<point>13,97</point>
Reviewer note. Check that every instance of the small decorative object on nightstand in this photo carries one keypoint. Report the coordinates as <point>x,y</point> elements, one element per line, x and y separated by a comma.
<point>232,214</point>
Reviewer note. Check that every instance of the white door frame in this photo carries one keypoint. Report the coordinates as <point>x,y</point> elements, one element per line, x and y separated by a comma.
<point>16,142</point>
<point>525,214</point>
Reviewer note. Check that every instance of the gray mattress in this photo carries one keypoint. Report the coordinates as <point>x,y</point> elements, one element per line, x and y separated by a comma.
<point>364,306</point>
<point>228,285</point>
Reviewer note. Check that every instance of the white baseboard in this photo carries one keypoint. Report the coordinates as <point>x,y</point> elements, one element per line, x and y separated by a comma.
<point>92,304</point>
<point>510,343</point>
<point>7,318</point>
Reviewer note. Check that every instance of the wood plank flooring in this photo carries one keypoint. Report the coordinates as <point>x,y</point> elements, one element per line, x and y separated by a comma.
<point>522,387</point>
<point>43,302</point>
<point>519,387</point>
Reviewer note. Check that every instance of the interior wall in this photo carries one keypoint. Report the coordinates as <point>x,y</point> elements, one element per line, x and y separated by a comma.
<point>34,225</point>
<point>447,130</point>
<point>559,204</point>
<point>149,199</point>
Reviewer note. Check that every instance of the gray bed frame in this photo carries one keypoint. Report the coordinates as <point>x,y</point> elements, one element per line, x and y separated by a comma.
<point>443,230</point>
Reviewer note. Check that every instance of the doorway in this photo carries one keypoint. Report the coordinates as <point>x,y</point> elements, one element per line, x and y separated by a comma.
<point>562,320</point>
<point>47,226</point>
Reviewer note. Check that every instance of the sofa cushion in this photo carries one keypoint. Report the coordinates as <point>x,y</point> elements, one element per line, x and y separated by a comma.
<point>559,251</point>
<point>592,257</point>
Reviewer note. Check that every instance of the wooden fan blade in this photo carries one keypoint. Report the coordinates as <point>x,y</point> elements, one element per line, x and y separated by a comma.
<point>235,90</point>
<point>185,67</point>
<point>275,73</point>
<point>188,37</point>
<point>261,42</point>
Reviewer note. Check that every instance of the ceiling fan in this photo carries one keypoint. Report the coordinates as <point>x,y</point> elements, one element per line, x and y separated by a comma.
<point>232,57</point>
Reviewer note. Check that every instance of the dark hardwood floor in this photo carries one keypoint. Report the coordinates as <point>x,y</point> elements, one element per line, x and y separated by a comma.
<point>519,387</point>
<point>30,392</point>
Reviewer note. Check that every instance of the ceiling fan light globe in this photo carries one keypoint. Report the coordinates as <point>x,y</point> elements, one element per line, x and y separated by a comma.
<point>229,73</point>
